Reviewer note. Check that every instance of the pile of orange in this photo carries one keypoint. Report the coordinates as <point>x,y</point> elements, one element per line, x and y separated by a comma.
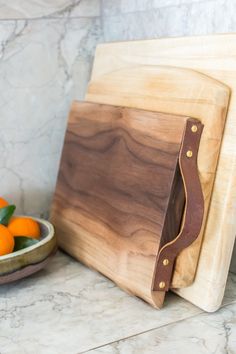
<point>17,226</point>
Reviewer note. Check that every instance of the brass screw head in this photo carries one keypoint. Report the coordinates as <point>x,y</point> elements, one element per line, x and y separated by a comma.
<point>165,262</point>
<point>194,128</point>
<point>189,153</point>
<point>162,284</point>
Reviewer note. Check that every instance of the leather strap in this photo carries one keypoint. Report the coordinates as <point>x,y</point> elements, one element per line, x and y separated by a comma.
<point>194,207</point>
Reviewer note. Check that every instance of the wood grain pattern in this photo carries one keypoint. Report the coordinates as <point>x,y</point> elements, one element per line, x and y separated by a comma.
<point>213,56</point>
<point>179,91</point>
<point>119,193</point>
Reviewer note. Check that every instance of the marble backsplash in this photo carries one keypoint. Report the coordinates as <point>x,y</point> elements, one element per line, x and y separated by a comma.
<point>45,63</point>
<point>46,54</point>
<point>142,19</point>
<point>27,9</point>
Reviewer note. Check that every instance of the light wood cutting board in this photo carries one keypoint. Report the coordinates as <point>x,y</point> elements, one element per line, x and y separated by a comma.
<point>214,56</point>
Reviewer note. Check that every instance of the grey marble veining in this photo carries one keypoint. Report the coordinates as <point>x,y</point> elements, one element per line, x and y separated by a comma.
<point>153,20</point>
<point>38,9</point>
<point>46,54</point>
<point>113,7</point>
<point>68,308</point>
<point>203,334</point>
<point>44,65</point>
<point>146,24</point>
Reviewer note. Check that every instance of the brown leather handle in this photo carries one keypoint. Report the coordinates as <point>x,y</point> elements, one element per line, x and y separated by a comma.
<point>194,207</point>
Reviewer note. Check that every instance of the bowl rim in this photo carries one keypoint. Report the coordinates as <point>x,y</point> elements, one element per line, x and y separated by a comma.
<point>50,235</point>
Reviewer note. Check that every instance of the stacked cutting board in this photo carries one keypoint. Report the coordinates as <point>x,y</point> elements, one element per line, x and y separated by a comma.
<point>183,78</point>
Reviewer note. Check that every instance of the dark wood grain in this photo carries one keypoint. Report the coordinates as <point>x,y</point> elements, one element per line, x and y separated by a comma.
<point>119,193</point>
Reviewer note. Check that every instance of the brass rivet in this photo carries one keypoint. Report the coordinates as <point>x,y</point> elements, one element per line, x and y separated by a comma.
<point>189,153</point>
<point>194,128</point>
<point>162,284</point>
<point>165,262</point>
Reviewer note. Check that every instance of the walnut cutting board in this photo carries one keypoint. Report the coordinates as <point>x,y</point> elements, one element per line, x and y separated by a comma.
<point>119,194</point>
<point>215,57</point>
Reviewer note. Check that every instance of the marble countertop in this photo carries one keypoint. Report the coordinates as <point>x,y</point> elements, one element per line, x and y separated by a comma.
<point>69,309</point>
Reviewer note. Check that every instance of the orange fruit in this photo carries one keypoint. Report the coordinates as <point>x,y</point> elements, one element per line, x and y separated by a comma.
<point>3,202</point>
<point>7,241</point>
<point>20,226</point>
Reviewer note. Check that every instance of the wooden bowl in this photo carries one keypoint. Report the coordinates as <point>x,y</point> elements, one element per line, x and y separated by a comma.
<point>29,260</point>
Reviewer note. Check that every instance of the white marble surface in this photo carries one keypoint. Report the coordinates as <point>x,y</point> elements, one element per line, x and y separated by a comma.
<point>142,19</point>
<point>44,65</point>
<point>38,9</point>
<point>112,7</point>
<point>67,308</point>
<point>203,334</point>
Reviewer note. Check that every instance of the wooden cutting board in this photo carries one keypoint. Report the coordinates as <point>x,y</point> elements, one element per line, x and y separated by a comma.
<point>213,56</point>
<point>120,196</point>
<point>178,91</point>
